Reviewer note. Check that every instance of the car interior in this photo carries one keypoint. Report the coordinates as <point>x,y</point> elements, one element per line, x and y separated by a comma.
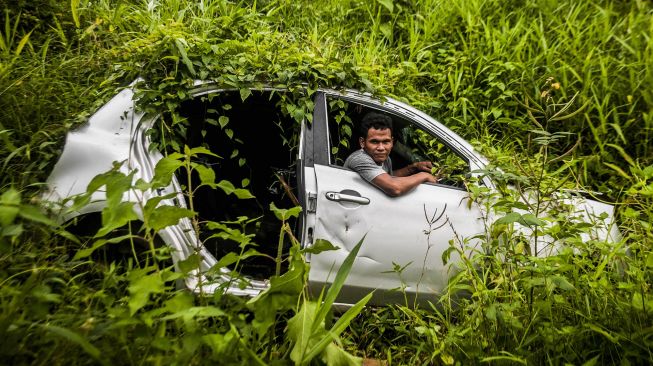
<point>257,147</point>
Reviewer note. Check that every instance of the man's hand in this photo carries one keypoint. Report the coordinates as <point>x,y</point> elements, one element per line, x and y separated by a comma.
<point>428,177</point>
<point>421,166</point>
<point>414,168</point>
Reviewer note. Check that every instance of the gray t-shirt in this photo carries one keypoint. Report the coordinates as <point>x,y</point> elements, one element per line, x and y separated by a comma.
<point>363,164</point>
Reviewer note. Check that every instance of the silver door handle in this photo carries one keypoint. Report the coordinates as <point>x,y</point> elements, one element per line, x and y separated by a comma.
<point>342,197</point>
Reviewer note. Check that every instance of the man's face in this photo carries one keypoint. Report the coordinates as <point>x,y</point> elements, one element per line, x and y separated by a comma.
<point>378,144</point>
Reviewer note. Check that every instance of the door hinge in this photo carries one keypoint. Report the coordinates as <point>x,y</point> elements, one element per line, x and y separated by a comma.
<point>312,202</point>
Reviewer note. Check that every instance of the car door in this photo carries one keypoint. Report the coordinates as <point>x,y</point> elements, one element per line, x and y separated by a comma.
<point>404,237</point>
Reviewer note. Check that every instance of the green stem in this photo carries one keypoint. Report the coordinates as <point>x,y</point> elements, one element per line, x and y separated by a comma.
<point>282,235</point>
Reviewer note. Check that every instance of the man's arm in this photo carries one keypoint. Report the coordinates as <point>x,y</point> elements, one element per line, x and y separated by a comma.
<point>398,185</point>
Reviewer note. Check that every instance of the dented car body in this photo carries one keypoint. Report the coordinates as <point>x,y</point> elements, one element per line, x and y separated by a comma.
<point>409,233</point>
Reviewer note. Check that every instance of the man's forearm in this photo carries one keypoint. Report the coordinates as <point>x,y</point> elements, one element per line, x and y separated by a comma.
<point>397,186</point>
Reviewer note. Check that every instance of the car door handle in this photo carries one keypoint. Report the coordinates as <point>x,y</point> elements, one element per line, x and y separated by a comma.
<point>350,196</point>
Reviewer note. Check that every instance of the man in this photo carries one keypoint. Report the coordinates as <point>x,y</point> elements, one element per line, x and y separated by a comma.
<point>373,162</point>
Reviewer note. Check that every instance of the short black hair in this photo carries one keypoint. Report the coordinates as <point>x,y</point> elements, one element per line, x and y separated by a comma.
<point>375,120</point>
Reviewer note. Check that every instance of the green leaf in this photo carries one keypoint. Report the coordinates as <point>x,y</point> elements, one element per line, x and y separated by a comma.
<point>298,114</point>
<point>77,339</point>
<point>184,57</point>
<point>290,282</point>
<point>386,30</point>
<point>74,4</point>
<point>22,43</point>
<point>243,194</point>
<point>531,220</point>
<point>508,358</point>
<point>508,219</point>
<point>200,150</point>
<point>281,295</point>
<point>446,255</point>
<point>117,184</point>
<point>623,154</point>
<point>221,343</point>
<point>179,302</point>
<point>320,245</point>
<point>339,281</point>
<point>649,260</point>
<point>227,260</point>
<point>69,236</point>
<point>33,213</point>
<point>592,361</point>
<point>10,197</point>
<point>189,264</point>
<point>223,120</point>
<point>11,230</point>
<point>285,214</point>
<point>518,205</point>
<point>9,206</point>
<point>141,287</point>
<point>244,93</point>
<point>206,174</point>
<point>491,312</point>
<point>164,170</point>
<point>307,330</point>
<point>116,217</point>
<point>343,322</point>
<point>300,331</point>
<point>226,186</point>
<point>334,355</point>
<point>164,216</point>
<point>153,202</point>
<point>614,338</point>
<point>196,312</point>
<point>562,283</point>
<point>618,170</point>
<point>388,4</point>
<point>232,257</point>
<point>346,130</point>
<point>229,188</point>
<point>83,253</point>
<point>648,172</point>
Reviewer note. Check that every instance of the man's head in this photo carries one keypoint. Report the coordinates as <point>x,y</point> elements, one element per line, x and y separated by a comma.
<point>376,136</point>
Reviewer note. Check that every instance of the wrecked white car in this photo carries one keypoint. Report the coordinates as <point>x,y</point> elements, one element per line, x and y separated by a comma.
<point>288,163</point>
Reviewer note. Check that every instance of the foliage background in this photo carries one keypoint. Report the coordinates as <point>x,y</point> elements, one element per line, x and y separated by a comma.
<point>487,69</point>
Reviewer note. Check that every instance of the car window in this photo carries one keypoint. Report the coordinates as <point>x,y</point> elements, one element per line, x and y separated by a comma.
<point>411,142</point>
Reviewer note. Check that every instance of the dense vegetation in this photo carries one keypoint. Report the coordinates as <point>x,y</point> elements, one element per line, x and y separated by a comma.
<point>556,93</point>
